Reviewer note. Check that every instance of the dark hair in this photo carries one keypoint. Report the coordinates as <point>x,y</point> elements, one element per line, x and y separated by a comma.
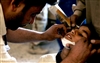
<point>36,2</point>
<point>29,3</point>
<point>93,34</point>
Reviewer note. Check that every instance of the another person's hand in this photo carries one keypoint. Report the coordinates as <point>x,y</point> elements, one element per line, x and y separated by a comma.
<point>55,31</point>
<point>73,19</point>
<point>80,52</point>
<point>64,53</point>
<point>96,42</point>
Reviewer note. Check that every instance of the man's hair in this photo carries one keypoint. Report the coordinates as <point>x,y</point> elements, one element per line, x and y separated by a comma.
<point>32,2</point>
<point>36,2</point>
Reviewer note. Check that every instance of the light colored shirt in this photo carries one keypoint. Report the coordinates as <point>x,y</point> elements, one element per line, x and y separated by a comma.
<point>4,56</point>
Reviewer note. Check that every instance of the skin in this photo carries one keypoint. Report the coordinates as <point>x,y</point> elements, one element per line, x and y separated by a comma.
<point>77,34</point>
<point>19,15</point>
<point>14,14</point>
<point>24,35</point>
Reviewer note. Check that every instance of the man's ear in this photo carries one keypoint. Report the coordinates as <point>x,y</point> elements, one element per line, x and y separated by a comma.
<point>17,7</point>
<point>14,8</point>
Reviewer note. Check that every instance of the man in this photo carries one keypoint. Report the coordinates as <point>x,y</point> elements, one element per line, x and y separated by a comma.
<point>17,13</point>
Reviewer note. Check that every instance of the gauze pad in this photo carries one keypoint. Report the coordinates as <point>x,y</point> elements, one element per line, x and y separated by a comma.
<point>65,41</point>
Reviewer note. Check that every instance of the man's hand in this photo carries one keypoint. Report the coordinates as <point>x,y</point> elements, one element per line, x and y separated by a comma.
<point>80,52</point>
<point>73,19</point>
<point>55,31</point>
<point>96,42</point>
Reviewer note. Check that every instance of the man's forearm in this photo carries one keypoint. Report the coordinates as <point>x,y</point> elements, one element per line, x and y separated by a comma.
<point>23,35</point>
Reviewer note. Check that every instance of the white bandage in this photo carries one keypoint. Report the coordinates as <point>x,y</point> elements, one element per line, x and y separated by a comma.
<point>65,41</point>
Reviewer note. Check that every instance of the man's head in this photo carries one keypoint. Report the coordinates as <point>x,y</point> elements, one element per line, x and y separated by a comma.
<point>20,12</point>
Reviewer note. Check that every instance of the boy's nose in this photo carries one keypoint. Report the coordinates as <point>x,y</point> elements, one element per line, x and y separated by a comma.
<point>73,31</point>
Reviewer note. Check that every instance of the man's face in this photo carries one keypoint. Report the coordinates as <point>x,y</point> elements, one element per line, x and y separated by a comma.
<point>77,34</point>
<point>22,16</point>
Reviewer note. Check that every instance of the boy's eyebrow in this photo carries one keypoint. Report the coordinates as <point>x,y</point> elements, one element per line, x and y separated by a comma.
<point>85,32</point>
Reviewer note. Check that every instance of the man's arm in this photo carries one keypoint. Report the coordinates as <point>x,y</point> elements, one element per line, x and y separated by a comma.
<point>25,35</point>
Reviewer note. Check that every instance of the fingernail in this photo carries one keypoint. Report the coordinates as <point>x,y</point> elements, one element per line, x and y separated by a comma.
<point>73,25</point>
<point>92,41</point>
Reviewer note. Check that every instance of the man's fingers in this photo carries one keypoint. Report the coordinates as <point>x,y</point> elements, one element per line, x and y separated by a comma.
<point>90,46</point>
<point>95,41</point>
<point>93,51</point>
<point>98,51</point>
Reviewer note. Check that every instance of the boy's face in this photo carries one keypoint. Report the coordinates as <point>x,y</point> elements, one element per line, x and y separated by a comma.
<point>77,34</point>
<point>20,15</point>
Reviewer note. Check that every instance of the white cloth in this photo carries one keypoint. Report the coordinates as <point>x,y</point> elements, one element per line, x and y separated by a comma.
<point>41,19</point>
<point>2,23</point>
<point>48,58</point>
<point>4,56</point>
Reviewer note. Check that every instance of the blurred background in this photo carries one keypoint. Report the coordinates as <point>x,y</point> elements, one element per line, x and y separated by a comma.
<point>20,51</point>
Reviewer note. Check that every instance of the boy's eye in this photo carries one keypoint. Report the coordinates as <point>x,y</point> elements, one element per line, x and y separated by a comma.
<point>80,34</point>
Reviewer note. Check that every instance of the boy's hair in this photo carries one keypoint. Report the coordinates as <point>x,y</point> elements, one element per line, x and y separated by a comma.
<point>93,34</point>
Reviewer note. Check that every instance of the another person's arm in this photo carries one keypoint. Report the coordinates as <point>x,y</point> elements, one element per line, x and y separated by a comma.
<point>79,13</point>
<point>25,35</point>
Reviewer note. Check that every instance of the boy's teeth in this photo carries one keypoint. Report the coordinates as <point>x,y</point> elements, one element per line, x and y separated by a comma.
<point>68,35</point>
